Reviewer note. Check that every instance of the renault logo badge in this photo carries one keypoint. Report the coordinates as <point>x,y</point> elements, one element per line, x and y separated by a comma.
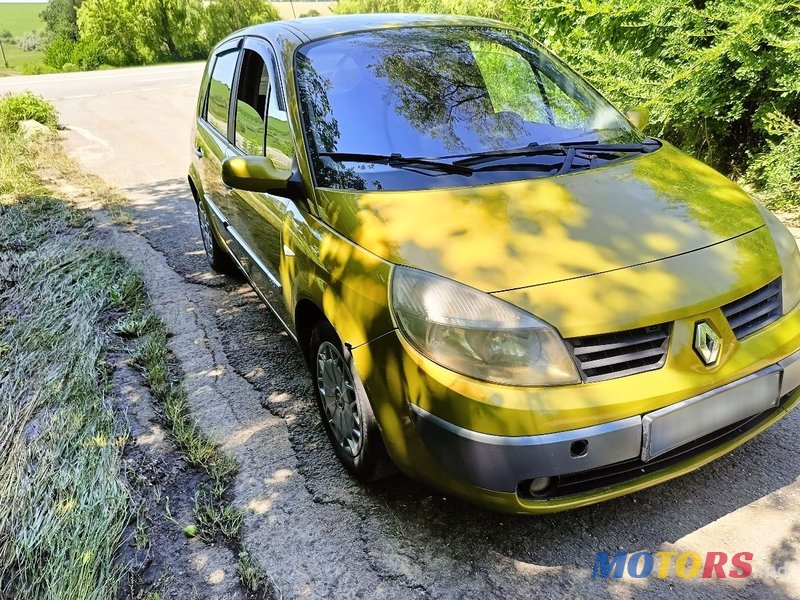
<point>707,343</point>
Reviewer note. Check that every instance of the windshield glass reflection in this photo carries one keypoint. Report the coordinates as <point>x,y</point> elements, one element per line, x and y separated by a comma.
<point>441,92</point>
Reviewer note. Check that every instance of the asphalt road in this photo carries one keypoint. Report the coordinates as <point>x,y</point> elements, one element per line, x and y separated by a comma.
<point>319,534</point>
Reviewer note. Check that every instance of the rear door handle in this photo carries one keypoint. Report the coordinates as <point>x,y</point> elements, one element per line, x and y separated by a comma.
<point>198,152</point>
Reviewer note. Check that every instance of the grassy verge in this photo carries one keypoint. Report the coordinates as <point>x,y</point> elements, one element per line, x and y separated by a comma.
<point>63,505</point>
<point>66,305</point>
<point>216,519</point>
<point>214,515</point>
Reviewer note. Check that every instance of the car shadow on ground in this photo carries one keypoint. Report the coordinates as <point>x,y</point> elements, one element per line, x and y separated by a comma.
<point>165,213</point>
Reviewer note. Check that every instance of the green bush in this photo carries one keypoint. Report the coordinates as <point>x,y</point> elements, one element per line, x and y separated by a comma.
<point>777,170</point>
<point>20,107</point>
<point>30,42</point>
<point>70,68</point>
<point>36,68</point>
<point>89,54</point>
<point>58,52</point>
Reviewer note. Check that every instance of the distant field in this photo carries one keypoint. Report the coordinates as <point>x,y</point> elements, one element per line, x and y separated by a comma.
<point>20,17</point>
<point>17,59</point>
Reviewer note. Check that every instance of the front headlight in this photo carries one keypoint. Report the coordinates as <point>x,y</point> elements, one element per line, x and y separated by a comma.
<point>790,260</point>
<point>475,334</point>
<point>789,256</point>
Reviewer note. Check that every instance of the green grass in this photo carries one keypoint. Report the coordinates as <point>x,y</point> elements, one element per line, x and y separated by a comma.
<point>21,17</point>
<point>20,61</point>
<point>63,504</point>
<point>64,501</point>
<point>152,357</point>
<point>255,581</point>
<point>214,515</point>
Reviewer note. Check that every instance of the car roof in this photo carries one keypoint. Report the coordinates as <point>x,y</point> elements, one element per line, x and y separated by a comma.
<point>311,28</point>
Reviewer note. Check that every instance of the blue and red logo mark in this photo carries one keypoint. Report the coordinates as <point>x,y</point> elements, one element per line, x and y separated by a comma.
<point>686,565</point>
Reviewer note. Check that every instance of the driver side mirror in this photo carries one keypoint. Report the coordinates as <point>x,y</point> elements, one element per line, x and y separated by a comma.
<point>639,116</point>
<point>254,174</point>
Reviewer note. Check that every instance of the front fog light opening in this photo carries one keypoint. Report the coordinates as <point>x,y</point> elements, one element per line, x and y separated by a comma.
<point>538,487</point>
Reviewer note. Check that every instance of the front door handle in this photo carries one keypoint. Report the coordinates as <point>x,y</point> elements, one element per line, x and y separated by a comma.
<point>198,152</point>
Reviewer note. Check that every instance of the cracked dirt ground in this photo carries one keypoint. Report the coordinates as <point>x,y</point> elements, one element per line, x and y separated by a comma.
<point>318,533</point>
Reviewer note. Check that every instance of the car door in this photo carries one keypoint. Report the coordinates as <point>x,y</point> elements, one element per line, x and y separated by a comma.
<point>261,128</point>
<point>212,142</point>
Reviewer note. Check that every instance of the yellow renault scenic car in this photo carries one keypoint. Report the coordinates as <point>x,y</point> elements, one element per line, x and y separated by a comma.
<point>500,285</point>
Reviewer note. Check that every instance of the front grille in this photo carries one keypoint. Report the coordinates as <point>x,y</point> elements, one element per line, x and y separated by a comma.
<point>621,353</point>
<point>749,314</point>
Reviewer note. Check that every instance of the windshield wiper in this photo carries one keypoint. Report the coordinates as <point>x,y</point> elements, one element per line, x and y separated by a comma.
<point>581,147</point>
<point>647,145</point>
<point>399,161</point>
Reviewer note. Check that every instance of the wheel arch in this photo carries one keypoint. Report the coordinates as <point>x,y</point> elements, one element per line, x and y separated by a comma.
<point>306,315</point>
<point>195,185</point>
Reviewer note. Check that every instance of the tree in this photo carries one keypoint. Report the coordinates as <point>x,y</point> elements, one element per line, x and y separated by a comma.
<point>61,19</point>
<point>116,25</point>
<point>226,16</point>
<point>144,31</point>
<point>174,28</point>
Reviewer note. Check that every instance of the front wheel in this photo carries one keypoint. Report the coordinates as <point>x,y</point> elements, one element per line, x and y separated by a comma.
<point>346,413</point>
<point>218,257</point>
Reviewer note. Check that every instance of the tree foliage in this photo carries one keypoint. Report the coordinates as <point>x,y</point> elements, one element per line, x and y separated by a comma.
<point>118,28</point>
<point>127,32</point>
<point>226,16</point>
<point>61,18</point>
<point>721,77</point>
<point>144,31</point>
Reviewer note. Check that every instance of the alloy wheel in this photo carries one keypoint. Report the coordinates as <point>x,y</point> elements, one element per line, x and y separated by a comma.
<point>338,395</point>
<point>205,230</point>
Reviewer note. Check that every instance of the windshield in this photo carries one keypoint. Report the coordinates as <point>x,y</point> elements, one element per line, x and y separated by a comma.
<point>442,93</point>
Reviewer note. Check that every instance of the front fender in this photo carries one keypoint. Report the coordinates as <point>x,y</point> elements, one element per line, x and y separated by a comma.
<point>347,283</point>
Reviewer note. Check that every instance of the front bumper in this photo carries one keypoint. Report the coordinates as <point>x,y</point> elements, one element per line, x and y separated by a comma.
<point>506,463</point>
<point>470,437</point>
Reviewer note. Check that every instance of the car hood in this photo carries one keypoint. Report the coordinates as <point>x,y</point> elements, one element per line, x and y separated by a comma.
<point>528,233</point>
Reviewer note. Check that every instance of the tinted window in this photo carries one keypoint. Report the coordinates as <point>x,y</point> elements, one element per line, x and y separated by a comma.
<point>251,104</point>
<point>441,92</point>
<point>219,94</point>
<point>280,142</point>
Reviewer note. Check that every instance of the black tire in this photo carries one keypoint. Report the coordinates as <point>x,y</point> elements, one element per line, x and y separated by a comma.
<point>369,461</point>
<point>218,257</point>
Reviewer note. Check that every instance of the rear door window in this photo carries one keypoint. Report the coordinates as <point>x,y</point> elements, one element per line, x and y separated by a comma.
<point>262,123</point>
<point>251,104</point>
<point>219,92</point>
